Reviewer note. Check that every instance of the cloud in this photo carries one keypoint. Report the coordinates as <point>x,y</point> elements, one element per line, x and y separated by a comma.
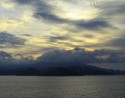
<point>46,11</point>
<point>10,39</point>
<point>67,16</point>
<point>50,17</point>
<point>24,1</point>
<point>110,8</point>
<point>79,55</point>
<point>89,36</point>
<point>56,38</point>
<point>90,25</point>
<point>117,42</point>
<point>93,24</point>
<point>42,9</point>
<point>17,60</point>
<point>38,5</point>
<point>5,56</point>
<point>29,35</point>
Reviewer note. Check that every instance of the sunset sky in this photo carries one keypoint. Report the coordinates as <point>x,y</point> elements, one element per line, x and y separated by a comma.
<point>32,27</point>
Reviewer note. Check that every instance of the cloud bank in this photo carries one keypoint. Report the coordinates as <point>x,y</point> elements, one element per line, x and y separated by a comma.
<point>82,56</point>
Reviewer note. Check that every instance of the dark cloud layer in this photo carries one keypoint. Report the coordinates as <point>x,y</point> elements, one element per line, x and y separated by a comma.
<point>50,17</point>
<point>81,56</point>
<point>5,55</point>
<point>10,39</point>
<point>118,42</point>
<point>29,35</point>
<point>93,24</point>
<point>39,5</point>
<point>24,1</point>
<point>109,8</point>
<point>75,56</point>
<point>89,36</point>
<point>5,58</point>
<point>56,38</point>
<point>115,43</point>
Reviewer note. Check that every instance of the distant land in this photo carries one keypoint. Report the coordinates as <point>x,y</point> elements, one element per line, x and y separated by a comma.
<point>60,69</point>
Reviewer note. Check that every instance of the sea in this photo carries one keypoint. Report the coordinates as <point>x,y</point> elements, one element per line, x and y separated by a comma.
<point>62,87</point>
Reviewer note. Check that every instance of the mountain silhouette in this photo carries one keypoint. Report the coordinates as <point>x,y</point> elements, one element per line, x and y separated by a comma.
<point>60,69</point>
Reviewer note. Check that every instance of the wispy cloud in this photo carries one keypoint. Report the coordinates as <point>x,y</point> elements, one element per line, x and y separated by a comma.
<point>9,39</point>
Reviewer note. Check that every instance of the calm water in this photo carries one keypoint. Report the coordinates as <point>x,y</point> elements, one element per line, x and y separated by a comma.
<point>62,87</point>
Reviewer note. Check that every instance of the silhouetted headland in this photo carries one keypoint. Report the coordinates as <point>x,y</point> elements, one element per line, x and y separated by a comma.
<point>78,70</point>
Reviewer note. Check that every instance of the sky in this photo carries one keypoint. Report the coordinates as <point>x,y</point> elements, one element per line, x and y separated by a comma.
<point>34,27</point>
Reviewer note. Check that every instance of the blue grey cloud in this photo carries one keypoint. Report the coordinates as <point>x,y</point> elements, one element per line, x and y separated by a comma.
<point>56,38</point>
<point>93,24</point>
<point>24,1</point>
<point>39,5</point>
<point>50,17</point>
<point>109,8</point>
<point>117,42</point>
<point>10,39</point>
<point>89,36</point>
<point>4,56</point>
<point>28,35</point>
<point>82,56</point>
